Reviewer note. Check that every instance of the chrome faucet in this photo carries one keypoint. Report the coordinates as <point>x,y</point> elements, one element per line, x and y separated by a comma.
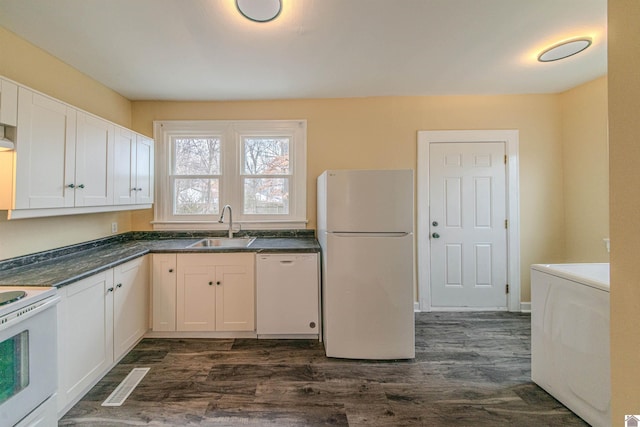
<point>221,220</point>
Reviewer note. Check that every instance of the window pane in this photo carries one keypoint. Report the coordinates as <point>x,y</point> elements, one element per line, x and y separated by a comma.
<point>266,156</point>
<point>266,196</point>
<point>196,197</point>
<point>197,156</point>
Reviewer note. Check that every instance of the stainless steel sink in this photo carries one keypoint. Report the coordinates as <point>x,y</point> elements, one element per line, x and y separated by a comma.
<point>222,243</point>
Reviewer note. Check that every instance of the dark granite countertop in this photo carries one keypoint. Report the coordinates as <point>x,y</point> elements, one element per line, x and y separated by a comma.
<point>60,267</point>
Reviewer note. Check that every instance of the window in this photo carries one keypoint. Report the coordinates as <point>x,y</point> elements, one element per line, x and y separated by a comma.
<point>195,175</point>
<point>266,175</point>
<point>257,167</point>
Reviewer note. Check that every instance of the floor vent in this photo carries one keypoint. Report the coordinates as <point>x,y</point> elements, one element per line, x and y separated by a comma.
<point>125,388</point>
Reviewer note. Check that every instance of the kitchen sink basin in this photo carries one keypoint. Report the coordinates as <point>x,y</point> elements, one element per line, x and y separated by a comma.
<point>222,243</point>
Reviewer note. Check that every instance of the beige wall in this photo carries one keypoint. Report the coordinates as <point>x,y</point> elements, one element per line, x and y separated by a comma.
<point>585,165</point>
<point>342,133</point>
<point>624,142</point>
<point>381,133</point>
<point>26,64</point>
<point>31,66</point>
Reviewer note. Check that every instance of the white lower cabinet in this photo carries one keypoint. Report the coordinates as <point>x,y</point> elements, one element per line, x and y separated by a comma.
<point>163,300</point>
<point>130,304</point>
<point>85,331</point>
<point>215,292</point>
<point>100,318</point>
<point>204,292</point>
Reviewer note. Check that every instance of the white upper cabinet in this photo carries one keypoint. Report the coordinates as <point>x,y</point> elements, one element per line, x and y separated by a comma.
<point>93,182</point>
<point>45,147</point>
<point>125,161</point>
<point>144,170</point>
<point>133,180</point>
<point>8,103</point>
<point>68,161</point>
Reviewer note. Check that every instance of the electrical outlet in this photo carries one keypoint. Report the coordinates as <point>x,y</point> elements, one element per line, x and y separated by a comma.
<point>114,227</point>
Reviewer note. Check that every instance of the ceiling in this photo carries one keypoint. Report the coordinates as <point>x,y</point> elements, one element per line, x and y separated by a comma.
<point>205,50</point>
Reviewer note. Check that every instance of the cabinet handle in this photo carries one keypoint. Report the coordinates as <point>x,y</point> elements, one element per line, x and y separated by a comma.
<point>71,186</point>
<point>81,186</point>
<point>171,270</point>
<point>139,189</point>
<point>210,283</point>
<point>218,283</point>
<point>110,290</point>
<point>119,285</point>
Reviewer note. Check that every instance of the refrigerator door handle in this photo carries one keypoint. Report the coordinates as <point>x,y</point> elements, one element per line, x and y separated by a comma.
<point>358,234</point>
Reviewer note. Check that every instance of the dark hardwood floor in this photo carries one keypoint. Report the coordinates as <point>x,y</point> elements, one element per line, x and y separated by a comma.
<point>471,369</point>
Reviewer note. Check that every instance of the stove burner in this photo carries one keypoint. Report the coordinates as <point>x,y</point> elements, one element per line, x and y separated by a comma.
<point>8,297</point>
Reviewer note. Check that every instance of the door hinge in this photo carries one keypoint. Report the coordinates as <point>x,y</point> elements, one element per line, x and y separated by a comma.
<point>507,289</point>
<point>505,159</point>
<point>506,223</point>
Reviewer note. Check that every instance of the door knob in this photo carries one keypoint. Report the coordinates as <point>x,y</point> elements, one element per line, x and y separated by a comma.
<point>435,235</point>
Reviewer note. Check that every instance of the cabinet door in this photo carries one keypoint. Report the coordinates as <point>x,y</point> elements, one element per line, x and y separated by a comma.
<point>94,161</point>
<point>196,293</point>
<point>235,292</point>
<point>124,183</point>
<point>130,304</point>
<point>8,103</point>
<point>164,277</point>
<point>215,292</point>
<point>85,335</point>
<point>45,152</point>
<point>144,170</point>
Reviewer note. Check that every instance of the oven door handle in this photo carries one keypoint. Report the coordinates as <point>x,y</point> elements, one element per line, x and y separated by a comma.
<point>27,312</point>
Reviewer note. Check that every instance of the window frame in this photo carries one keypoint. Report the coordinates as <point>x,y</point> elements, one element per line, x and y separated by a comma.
<point>242,176</point>
<point>231,185</point>
<point>174,176</point>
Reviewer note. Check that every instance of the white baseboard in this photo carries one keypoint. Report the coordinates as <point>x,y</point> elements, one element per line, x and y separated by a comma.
<point>525,307</point>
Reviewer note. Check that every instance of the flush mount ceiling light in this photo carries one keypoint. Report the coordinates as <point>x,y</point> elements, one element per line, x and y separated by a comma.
<point>564,49</point>
<point>259,10</point>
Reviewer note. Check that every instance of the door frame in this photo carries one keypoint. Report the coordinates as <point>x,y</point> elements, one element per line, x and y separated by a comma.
<point>511,141</point>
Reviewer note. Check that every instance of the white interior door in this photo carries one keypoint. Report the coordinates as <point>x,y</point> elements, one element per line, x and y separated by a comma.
<point>467,219</point>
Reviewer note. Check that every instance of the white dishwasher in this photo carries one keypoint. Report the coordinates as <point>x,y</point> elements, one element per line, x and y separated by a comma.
<point>287,295</point>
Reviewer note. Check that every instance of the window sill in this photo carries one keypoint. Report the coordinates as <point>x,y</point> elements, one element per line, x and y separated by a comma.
<point>244,225</point>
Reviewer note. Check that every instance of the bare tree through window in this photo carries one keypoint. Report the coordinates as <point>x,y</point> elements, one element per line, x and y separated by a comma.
<point>266,175</point>
<point>196,175</point>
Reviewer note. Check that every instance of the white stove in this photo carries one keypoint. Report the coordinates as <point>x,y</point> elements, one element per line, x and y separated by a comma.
<point>28,351</point>
<point>14,298</point>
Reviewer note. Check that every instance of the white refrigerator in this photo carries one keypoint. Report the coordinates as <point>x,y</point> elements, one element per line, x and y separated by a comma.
<point>365,229</point>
